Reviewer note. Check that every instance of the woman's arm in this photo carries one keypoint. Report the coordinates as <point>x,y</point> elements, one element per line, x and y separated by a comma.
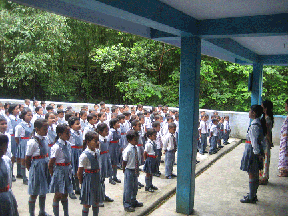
<point>51,165</point>
<point>80,174</point>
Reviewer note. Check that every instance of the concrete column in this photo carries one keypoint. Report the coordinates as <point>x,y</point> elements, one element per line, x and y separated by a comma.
<point>257,81</point>
<point>188,123</point>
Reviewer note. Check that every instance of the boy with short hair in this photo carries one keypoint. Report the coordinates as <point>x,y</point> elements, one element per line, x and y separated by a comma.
<point>92,120</point>
<point>203,131</point>
<point>170,148</point>
<point>131,172</point>
<point>159,145</point>
<point>213,137</point>
<point>61,119</point>
<point>227,130</point>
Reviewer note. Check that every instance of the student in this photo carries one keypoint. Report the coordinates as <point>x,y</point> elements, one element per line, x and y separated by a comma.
<point>114,138</point>
<point>150,157</point>
<point>148,122</point>
<point>37,165</point>
<point>51,119</point>
<point>102,105</point>
<point>3,130</point>
<point>159,145</point>
<point>8,204</point>
<point>165,129</point>
<point>170,148</point>
<point>91,125</point>
<point>76,140</point>
<point>43,105</point>
<point>35,104</point>
<point>38,114</point>
<point>89,174</point>
<point>227,130</point>
<point>221,127</point>
<point>136,126</point>
<point>203,132</point>
<point>123,140</point>
<point>108,114</point>
<point>27,104</point>
<point>83,120</point>
<point>139,109</point>
<point>50,108</point>
<point>96,107</point>
<point>101,118</point>
<point>105,160</point>
<point>213,137</point>
<point>60,107</point>
<point>14,121</point>
<point>61,119</point>
<point>143,129</point>
<point>23,132</point>
<point>252,160</point>
<point>60,169</point>
<point>131,172</point>
<point>127,123</point>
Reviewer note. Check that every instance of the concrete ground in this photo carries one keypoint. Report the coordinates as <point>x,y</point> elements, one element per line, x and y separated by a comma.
<point>219,189</point>
<point>166,188</point>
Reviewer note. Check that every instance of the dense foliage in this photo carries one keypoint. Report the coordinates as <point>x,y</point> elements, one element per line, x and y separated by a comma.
<point>51,57</point>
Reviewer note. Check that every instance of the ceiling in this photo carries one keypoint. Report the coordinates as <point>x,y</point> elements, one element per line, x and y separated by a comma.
<point>241,31</point>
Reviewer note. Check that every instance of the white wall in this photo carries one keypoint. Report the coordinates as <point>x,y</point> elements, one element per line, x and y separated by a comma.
<point>239,121</point>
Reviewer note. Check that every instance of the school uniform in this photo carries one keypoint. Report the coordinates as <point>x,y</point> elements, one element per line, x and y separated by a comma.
<point>170,147</point>
<point>214,139</point>
<point>140,149</point>
<point>23,132</point>
<point>8,204</point>
<point>114,148</point>
<point>76,141</point>
<point>90,190</point>
<point>130,155</point>
<point>61,180</point>
<point>148,122</point>
<point>62,121</point>
<point>105,164</point>
<point>37,149</point>
<point>37,116</point>
<point>159,146</point>
<point>108,116</point>
<point>123,140</point>
<point>204,133</point>
<point>228,129</point>
<point>253,147</point>
<point>83,124</point>
<point>44,111</point>
<point>150,165</point>
<point>221,131</point>
<point>14,120</point>
<point>88,128</point>
<point>51,135</point>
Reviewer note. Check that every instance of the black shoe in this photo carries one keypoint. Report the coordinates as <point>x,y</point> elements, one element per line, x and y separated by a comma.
<point>13,178</point>
<point>154,188</point>
<point>255,197</point>
<point>173,175</point>
<point>141,185</point>
<point>129,209</point>
<point>220,146</point>
<point>197,162</point>
<point>19,176</point>
<point>112,182</point>
<point>175,163</point>
<point>101,204</point>
<point>108,199</point>
<point>77,191</point>
<point>117,180</point>
<point>25,181</point>
<point>138,204</point>
<point>158,174</point>
<point>205,152</point>
<point>162,161</point>
<point>246,199</point>
<point>149,189</point>
<point>168,177</point>
<point>72,196</point>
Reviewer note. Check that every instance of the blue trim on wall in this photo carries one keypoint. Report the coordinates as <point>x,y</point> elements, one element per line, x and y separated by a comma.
<point>265,25</point>
<point>154,34</point>
<point>274,59</point>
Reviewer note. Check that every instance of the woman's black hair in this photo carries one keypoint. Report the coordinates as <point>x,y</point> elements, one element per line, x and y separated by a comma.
<point>88,137</point>
<point>68,115</point>
<point>82,113</point>
<point>269,106</point>
<point>4,140</point>
<point>133,118</point>
<point>259,111</point>
<point>121,116</point>
<point>91,116</point>
<point>100,114</point>
<point>48,114</point>
<point>38,124</point>
<point>155,124</point>
<point>101,127</point>
<point>24,112</point>
<point>134,123</point>
<point>149,133</point>
<point>112,122</point>
<point>72,120</point>
<point>60,129</point>
<point>131,134</point>
<point>12,108</point>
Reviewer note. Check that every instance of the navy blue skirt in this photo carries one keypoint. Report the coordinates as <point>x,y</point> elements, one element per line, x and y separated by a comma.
<point>250,161</point>
<point>150,165</point>
<point>90,190</point>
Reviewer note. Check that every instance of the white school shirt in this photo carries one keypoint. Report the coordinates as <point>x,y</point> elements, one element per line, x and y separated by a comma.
<point>35,117</point>
<point>203,127</point>
<point>62,120</point>
<point>129,156</point>
<point>165,129</point>
<point>158,141</point>
<point>227,126</point>
<point>108,116</point>
<point>33,146</point>
<point>20,131</point>
<point>83,124</point>
<point>87,129</point>
<point>72,139</point>
<point>149,147</point>
<point>10,128</point>
<point>214,130</point>
<point>168,142</point>
<point>56,151</point>
<point>8,165</point>
<point>256,135</point>
<point>8,152</point>
<point>127,125</point>
<point>84,161</point>
<point>177,126</point>
<point>148,123</point>
<point>110,135</point>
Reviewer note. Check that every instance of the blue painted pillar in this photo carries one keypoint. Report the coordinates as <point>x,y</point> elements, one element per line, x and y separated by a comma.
<point>257,81</point>
<point>188,122</point>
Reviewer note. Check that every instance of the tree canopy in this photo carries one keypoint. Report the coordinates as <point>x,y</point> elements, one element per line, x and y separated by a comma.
<point>51,57</point>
